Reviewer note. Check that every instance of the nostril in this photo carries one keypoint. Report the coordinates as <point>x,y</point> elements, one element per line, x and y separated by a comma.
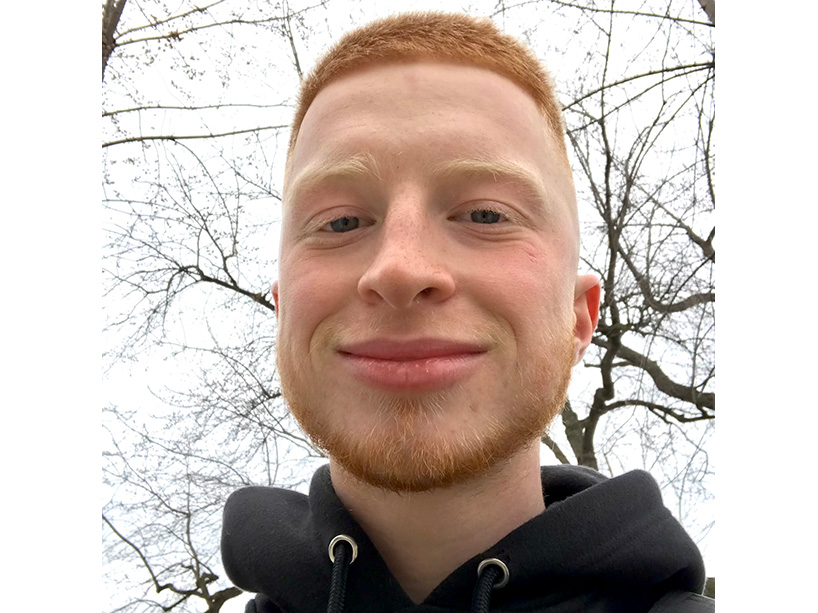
<point>404,281</point>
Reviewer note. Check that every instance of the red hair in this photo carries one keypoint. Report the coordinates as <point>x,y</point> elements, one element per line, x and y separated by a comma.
<point>449,37</point>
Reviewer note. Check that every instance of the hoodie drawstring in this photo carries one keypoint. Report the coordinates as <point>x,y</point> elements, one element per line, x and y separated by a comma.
<point>489,572</point>
<point>492,574</point>
<point>341,558</point>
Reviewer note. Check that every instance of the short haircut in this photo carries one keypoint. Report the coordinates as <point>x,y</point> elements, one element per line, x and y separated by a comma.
<point>450,37</point>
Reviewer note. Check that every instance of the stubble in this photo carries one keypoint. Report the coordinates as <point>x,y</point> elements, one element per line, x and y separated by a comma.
<point>410,446</point>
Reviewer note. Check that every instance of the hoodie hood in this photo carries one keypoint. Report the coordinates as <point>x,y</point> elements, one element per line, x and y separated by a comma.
<point>599,540</point>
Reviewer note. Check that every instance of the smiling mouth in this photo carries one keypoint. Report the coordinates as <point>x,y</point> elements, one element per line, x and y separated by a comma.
<point>418,365</point>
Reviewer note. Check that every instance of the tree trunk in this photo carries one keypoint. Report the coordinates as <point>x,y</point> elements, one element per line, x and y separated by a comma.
<point>110,20</point>
<point>709,7</point>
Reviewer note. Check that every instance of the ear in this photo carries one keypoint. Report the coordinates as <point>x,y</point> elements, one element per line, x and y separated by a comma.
<point>275,296</point>
<point>586,310</point>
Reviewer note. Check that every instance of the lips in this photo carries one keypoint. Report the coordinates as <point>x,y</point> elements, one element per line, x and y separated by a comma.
<point>411,350</point>
<point>415,365</point>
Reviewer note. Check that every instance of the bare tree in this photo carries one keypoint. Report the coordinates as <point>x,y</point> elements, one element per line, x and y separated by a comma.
<point>641,122</point>
<point>196,104</point>
<point>168,506</point>
<point>190,200</point>
<point>654,234</point>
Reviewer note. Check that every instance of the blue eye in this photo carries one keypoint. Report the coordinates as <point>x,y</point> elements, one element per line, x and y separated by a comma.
<point>485,216</point>
<point>344,224</point>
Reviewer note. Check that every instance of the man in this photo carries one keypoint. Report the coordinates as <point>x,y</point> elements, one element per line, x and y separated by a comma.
<point>429,314</point>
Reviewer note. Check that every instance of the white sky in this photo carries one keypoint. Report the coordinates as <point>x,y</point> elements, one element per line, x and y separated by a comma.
<point>131,386</point>
<point>767,421</point>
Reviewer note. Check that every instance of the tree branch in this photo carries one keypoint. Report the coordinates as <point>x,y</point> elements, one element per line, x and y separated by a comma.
<point>690,67</point>
<point>658,409</point>
<point>573,428</point>
<point>222,596</point>
<point>255,296</point>
<point>645,287</point>
<point>611,11</point>
<point>136,139</point>
<point>159,587</point>
<point>160,107</point>
<point>289,33</point>
<point>159,22</point>
<point>703,400</point>
<point>548,442</point>
<point>177,34</point>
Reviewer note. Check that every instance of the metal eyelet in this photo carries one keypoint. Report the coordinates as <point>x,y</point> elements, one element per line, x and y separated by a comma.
<point>504,581</point>
<point>346,539</point>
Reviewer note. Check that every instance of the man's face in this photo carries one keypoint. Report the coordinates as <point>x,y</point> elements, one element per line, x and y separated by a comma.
<point>428,294</point>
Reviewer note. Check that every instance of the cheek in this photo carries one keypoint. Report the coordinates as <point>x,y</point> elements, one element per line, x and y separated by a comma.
<point>532,291</point>
<point>535,278</point>
<point>310,291</point>
<point>297,290</point>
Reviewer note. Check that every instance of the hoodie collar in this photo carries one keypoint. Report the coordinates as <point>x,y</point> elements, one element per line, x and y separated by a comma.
<point>594,529</point>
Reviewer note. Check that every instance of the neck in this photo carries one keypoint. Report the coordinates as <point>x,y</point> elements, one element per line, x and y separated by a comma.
<point>425,536</point>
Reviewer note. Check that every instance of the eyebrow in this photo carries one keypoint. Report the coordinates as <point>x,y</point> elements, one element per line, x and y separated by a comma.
<point>361,165</point>
<point>498,170</point>
<point>366,166</point>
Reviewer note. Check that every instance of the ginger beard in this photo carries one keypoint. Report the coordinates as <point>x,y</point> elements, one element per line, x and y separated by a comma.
<point>407,448</point>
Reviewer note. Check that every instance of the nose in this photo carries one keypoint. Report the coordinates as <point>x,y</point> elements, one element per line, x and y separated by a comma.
<point>409,265</point>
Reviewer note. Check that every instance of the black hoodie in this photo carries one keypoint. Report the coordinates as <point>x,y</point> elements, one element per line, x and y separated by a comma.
<point>601,545</point>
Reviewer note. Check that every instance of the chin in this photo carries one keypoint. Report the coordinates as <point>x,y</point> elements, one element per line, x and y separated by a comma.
<point>424,442</point>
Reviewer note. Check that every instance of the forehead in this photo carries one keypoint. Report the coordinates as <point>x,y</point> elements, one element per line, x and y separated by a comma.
<point>436,82</point>
<point>421,114</point>
<point>445,95</point>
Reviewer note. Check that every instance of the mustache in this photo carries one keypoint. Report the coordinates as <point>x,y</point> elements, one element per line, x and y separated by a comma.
<point>488,333</point>
<point>477,329</point>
